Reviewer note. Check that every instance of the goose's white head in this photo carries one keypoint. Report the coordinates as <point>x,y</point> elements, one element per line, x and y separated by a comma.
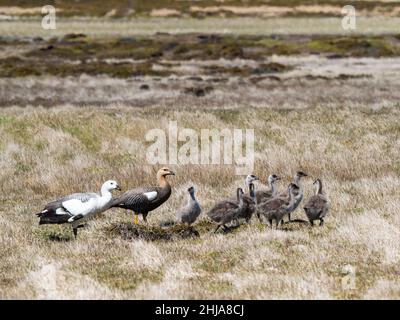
<point>300,174</point>
<point>110,185</point>
<point>250,178</point>
<point>317,182</point>
<point>293,187</point>
<point>272,178</point>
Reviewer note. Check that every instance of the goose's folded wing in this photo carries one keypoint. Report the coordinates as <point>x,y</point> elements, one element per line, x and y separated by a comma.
<point>263,193</point>
<point>83,197</point>
<point>135,198</point>
<point>221,207</point>
<point>319,203</point>
<point>272,204</point>
<point>183,211</point>
<point>313,202</point>
<point>151,195</point>
<point>248,200</point>
<point>76,207</point>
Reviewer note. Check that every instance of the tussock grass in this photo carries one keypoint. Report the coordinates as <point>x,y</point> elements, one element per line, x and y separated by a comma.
<point>46,153</point>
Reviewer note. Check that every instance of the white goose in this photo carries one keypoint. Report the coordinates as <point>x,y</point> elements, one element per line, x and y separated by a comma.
<point>78,207</point>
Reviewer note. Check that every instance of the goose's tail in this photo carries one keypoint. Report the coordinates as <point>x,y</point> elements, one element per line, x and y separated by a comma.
<point>49,216</point>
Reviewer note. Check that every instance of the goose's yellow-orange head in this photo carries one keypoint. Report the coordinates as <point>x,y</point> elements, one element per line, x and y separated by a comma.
<point>165,171</point>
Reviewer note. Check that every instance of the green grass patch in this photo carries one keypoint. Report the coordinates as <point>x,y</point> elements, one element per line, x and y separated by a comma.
<point>219,261</point>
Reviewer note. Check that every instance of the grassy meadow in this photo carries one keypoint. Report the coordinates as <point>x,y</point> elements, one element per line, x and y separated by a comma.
<point>47,153</point>
<point>76,104</point>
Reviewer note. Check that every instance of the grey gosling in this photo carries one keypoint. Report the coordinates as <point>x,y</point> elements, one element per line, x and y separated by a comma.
<point>317,206</point>
<point>227,210</point>
<point>299,193</point>
<point>267,194</point>
<point>249,199</point>
<point>277,208</point>
<point>189,213</point>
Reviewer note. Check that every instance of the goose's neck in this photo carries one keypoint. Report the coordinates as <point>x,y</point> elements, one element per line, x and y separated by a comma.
<point>273,188</point>
<point>319,188</point>
<point>247,185</point>
<point>292,199</point>
<point>252,192</point>
<point>162,181</point>
<point>297,181</point>
<point>105,194</point>
<point>240,199</point>
<point>192,198</point>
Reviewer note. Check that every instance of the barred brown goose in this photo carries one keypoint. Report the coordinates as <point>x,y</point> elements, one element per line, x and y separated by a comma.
<point>145,199</point>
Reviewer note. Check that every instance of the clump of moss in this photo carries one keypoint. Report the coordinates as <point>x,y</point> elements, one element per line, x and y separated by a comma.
<point>75,54</point>
<point>58,237</point>
<point>17,67</point>
<point>356,46</point>
<point>198,91</point>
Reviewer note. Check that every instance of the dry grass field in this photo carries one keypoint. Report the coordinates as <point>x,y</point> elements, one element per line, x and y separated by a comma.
<point>101,27</point>
<point>77,102</point>
<point>354,149</point>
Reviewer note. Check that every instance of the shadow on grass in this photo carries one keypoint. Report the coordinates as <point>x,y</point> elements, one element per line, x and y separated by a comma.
<point>292,225</point>
<point>58,237</point>
<point>129,231</point>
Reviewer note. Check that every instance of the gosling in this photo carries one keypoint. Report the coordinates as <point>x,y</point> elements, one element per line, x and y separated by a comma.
<point>190,212</point>
<point>317,206</point>
<point>277,208</point>
<point>299,193</point>
<point>227,210</point>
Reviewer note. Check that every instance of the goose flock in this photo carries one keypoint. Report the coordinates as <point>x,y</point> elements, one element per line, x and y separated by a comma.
<point>267,203</point>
